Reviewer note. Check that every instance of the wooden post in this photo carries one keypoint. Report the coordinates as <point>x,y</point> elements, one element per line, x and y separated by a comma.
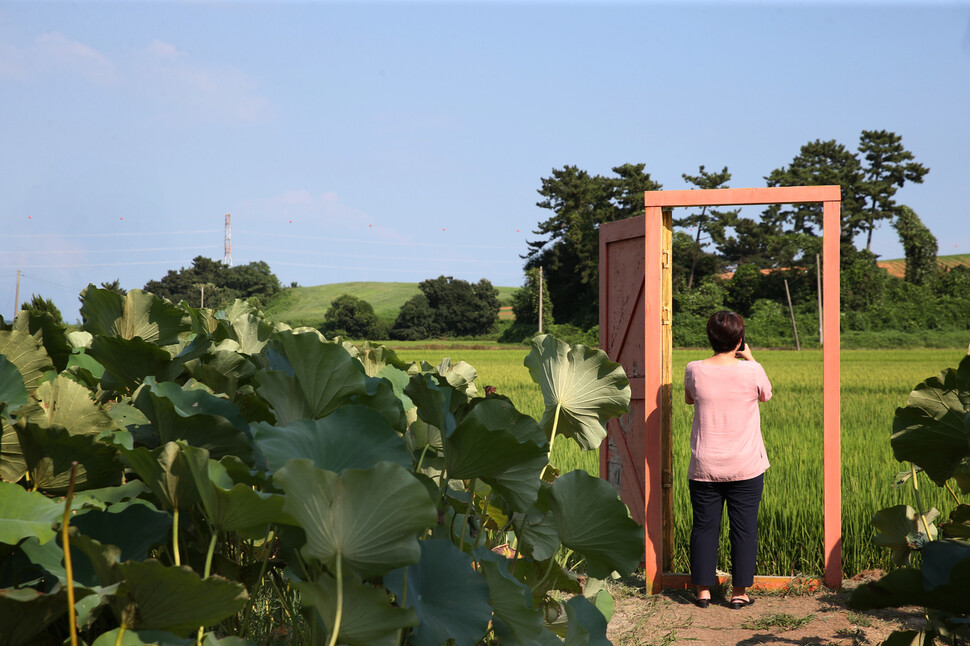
<point>540,300</point>
<point>653,460</point>
<point>831,396</point>
<point>16,298</point>
<point>791,311</point>
<point>666,385</point>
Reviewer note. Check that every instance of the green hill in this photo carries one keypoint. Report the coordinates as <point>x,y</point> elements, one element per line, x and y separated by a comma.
<point>308,305</point>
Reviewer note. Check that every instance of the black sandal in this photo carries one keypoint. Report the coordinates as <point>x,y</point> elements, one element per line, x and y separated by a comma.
<point>702,603</point>
<point>738,602</point>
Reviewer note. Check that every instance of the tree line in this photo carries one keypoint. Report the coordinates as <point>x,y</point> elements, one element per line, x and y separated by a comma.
<point>708,244</point>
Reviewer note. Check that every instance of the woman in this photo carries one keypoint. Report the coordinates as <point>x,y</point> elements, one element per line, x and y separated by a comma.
<point>727,456</point>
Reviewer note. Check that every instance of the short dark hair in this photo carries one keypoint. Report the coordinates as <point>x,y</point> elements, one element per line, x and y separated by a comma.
<point>725,330</point>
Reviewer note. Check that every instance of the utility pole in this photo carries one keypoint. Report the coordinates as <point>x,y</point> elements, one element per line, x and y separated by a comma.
<point>791,311</point>
<point>540,299</point>
<point>16,298</point>
<point>227,257</point>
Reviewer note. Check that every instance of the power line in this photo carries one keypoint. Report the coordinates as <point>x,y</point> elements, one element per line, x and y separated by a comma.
<point>353,255</point>
<point>396,270</point>
<point>394,242</point>
<point>121,250</point>
<point>102,264</point>
<point>107,235</point>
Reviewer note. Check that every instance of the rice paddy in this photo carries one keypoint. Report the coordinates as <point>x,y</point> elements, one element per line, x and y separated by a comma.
<point>874,384</point>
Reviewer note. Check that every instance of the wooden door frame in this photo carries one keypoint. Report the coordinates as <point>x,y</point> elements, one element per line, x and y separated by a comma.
<point>657,378</point>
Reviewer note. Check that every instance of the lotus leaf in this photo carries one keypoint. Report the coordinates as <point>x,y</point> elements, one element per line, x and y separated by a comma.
<point>53,335</point>
<point>141,638</point>
<point>367,617</point>
<point>375,358</point>
<point>516,620</point>
<point>49,453</point>
<point>26,513</point>
<point>24,613</point>
<point>581,387</point>
<point>587,625</point>
<point>948,564</point>
<point>592,521</point>
<point>433,402</point>
<point>197,417</point>
<point>174,599</point>
<point>370,519</point>
<point>895,527</point>
<point>230,507</point>
<point>134,529</point>
<point>323,377</point>
<point>381,397</point>
<point>13,466</point>
<point>933,430</point>
<point>13,393</point>
<point>460,376</point>
<point>450,597</point>
<point>499,446</point>
<point>28,354</point>
<point>137,313</point>
<point>352,437</point>
<point>167,472</point>
<point>536,532</point>
<point>959,524</point>
<point>543,576</point>
<point>68,404</point>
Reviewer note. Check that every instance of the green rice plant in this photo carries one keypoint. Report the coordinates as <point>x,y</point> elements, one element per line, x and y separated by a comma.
<point>873,384</point>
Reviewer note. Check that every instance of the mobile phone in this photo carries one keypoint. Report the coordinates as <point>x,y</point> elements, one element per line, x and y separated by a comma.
<point>741,347</point>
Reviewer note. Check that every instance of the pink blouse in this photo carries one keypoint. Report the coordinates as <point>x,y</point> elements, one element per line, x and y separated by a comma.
<point>725,438</point>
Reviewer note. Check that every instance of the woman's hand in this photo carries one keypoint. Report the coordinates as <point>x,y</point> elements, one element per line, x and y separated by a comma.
<point>744,353</point>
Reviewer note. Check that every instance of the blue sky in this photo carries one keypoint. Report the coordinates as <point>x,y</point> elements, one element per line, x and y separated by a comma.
<point>402,141</point>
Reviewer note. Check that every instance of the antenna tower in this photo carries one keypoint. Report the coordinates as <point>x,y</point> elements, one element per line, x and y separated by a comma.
<point>227,258</point>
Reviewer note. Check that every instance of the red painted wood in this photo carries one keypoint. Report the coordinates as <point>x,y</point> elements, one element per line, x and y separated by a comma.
<point>831,395</point>
<point>743,196</point>
<point>653,357</point>
<point>630,249</point>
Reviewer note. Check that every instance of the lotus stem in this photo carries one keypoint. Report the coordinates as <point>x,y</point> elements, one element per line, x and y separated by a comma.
<point>952,493</point>
<point>175,537</point>
<point>552,438</point>
<point>205,575</point>
<point>545,575</point>
<point>66,543</point>
<point>468,511</point>
<point>121,635</point>
<point>267,548</point>
<point>488,499</point>
<point>340,603</point>
<point>919,504</point>
<point>404,604</point>
<point>421,459</point>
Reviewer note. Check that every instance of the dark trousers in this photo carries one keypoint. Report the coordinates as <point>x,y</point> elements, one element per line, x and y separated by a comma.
<point>707,500</point>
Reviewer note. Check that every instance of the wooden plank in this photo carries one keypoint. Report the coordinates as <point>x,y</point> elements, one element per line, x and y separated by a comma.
<point>831,397</point>
<point>667,384</point>
<point>682,582</point>
<point>653,359</point>
<point>743,196</point>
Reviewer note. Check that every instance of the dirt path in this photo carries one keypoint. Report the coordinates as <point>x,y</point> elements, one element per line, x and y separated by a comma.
<point>803,618</point>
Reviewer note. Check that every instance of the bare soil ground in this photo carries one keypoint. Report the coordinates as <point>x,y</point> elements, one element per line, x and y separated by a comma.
<point>794,616</point>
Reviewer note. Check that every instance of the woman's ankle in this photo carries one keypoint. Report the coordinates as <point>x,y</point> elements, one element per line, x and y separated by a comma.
<point>703,592</point>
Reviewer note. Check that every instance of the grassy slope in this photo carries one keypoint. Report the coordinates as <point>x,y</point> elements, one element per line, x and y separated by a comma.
<point>897,267</point>
<point>307,305</point>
